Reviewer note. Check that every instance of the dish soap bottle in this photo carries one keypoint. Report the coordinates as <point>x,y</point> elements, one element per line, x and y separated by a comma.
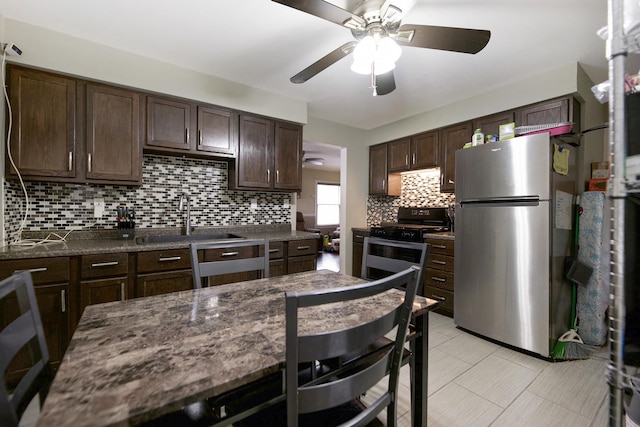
<point>478,138</point>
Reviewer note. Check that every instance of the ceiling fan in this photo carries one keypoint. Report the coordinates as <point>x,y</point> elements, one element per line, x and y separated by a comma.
<point>376,26</point>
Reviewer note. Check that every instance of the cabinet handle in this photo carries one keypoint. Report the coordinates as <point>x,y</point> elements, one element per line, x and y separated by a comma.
<point>441,179</point>
<point>406,160</point>
<point>70,160</point>
<point>104,264</point>
<point>358,236</point>
<point>451,181</point>
<point>413,160</point>
<point>271,251</point>
<point>186,134</point>
<point>169,258</point>
<point>439,246</point>
<point>268,176</point>
<point>122,291</point>
<point>234,253</point>
<point>435,261</point>
<point>384,184</point>
<point>63,300</point>
<point>34,270</point>
<point>438,297</point>
<point>438,279</point>
<point>199,137</point>
<point>89,162</point>
<point>302,248</point>
<point>277,176</point>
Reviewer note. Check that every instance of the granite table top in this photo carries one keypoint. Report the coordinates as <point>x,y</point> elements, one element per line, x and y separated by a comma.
<point>134,360</point>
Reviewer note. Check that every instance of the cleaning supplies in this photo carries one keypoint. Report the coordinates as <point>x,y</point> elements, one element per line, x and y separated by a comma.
<point>478,138</point>
<point>570,346</point>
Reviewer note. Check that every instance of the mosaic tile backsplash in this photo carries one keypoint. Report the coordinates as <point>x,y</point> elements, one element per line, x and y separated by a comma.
<point>66,206</point>
<point>418,190</point>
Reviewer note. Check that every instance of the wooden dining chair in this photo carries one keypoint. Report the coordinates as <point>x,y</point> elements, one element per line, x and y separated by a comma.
<point>210,259</point>
<point>24,331</point>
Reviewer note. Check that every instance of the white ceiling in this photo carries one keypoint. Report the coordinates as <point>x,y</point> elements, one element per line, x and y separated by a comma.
<point>262,44</point>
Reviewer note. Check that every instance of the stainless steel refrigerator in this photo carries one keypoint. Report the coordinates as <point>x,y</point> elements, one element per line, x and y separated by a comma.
<point>511,240</point>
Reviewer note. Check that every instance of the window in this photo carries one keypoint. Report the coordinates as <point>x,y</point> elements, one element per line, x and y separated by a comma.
<point>327,204</point>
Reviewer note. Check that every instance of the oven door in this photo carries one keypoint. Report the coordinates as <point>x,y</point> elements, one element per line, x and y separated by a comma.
<point>411,255</point>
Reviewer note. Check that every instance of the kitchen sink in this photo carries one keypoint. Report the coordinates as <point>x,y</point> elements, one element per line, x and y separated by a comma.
<point>184,238</point>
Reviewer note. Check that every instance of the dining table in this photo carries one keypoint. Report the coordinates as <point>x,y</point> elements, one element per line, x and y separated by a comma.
<point>135,360</point>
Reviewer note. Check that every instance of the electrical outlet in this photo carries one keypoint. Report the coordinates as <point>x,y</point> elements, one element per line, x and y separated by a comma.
<point>285,204</point>
<point>254,204</point>
<point>98,208</point>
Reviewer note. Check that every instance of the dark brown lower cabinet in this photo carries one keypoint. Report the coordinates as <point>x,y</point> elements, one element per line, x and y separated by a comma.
<point>358,249</point>
<point>277,265</point>
<point>163,283</point>
<point>102,290</point>
<point>164,271</point>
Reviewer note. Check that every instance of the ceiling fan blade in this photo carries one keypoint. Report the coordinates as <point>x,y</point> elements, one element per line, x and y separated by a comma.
<point>321,9</point>
<point>385,83</point>
<point>463,40</point>
<point>324,62</point>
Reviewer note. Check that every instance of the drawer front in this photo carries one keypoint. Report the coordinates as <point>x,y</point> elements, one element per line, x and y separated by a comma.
<point>445,298</point>
<point>226,254</point>
<point>440,262</point>
<point>358,236</point>
<point>439,279</point>
<point>276,250</point>
<point>301,247</point>
<point>440,246</point>
<point>163,283</point>
<point>43,270</point>
<point>171,259</point>
<point>104,265</point>
<point>302,263</point>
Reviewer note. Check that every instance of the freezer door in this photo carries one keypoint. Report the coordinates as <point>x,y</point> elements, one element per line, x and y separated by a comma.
<point>502,273</point>
<point>509,169</point>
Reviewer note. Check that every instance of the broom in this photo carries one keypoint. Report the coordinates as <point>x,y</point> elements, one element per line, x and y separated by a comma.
<point>570,346</point>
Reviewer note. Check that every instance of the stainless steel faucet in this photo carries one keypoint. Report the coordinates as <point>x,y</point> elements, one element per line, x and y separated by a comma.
<point>185,197</point>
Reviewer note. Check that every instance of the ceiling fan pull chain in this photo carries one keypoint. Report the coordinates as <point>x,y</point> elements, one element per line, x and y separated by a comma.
<point>373,79</point>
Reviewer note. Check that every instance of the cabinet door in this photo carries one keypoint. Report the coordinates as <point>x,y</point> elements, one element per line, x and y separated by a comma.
<point>53,301</point>
<point>358,249</point>
<point>168,123</point>
<point>299,264</point>
<point>254,153</point>
<point>276,268</point>
<point>216,130</point>
<point>101,291</point>
<point>288,157</point>
<point>378,169</point>
<point>113,134</point>
<point>554,111</point>
<point>490,125</point>
<point>453,138</point>
<point>43,140</point>
<point>398,153</point>
<point>424,150</point>
<point>163,283</point>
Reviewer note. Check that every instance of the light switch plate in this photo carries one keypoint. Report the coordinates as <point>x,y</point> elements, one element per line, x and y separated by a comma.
<point>98,208</point>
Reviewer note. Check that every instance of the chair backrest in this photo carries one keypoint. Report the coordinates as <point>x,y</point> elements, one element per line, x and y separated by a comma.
<point>355,377</point>
<point>24,331</point>
<point>228,257</point>
<point>391,256</point>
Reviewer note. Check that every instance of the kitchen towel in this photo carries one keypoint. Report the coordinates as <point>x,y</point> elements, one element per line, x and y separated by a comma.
<point>593,299</point>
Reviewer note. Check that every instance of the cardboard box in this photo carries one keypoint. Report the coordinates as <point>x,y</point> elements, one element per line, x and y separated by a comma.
<point>598,184</point>
<point>600,170</point>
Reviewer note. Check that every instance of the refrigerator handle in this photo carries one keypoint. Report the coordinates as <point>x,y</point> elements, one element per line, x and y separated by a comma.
<point>508,201</point>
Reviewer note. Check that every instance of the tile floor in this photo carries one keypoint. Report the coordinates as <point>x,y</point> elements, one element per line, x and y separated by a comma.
<point>475,383</point>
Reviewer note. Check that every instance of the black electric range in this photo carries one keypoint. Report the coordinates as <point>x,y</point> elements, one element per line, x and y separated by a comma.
<point>413,224</point>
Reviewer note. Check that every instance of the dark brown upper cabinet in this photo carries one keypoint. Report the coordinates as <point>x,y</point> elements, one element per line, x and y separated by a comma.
<point>168,123</point>
<point>559,110</point>
<point>68,130</point>
<point>176,126</point>
<point>114,151</point>
<point>453,138</point>
<point>43,137</point>
<point>216,130</point>
<point>490,125</point>
<point>415,152</point>
<point>268,155</point>
<point>380,181</point>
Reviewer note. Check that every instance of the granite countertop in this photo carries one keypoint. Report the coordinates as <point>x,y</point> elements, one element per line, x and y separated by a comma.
<point>88,242</point>
<point>133,360</point>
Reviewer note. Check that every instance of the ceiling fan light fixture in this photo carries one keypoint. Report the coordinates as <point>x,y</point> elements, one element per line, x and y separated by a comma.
<point>377,57</point>
<point>388,50</point>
